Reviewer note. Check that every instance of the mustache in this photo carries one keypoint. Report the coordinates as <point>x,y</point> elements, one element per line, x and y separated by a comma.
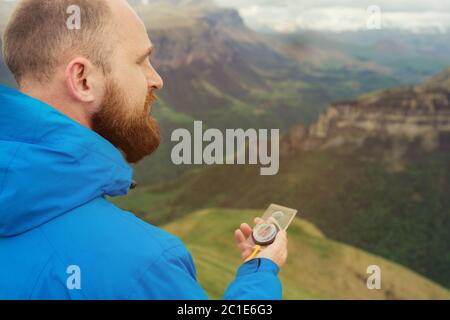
<point>150,100</point>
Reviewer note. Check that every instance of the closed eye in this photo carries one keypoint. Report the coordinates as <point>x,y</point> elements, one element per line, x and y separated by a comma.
<point>145,56</point>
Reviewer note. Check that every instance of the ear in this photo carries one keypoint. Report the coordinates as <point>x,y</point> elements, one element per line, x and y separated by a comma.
<point>81,80</point>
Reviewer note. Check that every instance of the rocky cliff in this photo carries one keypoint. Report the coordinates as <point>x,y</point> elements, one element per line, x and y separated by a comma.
<point>398,123</point>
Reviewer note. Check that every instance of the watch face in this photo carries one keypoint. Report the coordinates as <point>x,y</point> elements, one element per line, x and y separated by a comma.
<point>265,233</point>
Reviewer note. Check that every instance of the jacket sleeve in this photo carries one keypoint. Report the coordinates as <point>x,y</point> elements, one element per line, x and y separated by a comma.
<point>256,280</point>
<point>173,277</point>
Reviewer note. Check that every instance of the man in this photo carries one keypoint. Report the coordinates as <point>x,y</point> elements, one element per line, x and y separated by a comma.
<point>66,138</point>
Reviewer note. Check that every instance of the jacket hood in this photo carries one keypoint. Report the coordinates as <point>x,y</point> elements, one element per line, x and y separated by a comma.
<point>50,164</point>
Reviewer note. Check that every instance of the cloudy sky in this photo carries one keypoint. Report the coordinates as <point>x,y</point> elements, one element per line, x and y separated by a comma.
<point>345,15</point>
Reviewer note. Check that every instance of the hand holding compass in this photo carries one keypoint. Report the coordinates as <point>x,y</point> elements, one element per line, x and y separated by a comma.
<point>268,238</point>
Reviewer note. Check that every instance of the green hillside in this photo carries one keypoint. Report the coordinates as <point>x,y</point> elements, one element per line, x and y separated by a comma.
<point>317,268</point>
<point>402,216</point>
<point>373,173</point>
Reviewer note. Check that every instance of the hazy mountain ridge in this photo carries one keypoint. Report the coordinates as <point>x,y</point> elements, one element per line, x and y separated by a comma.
<point>407,57</point>
<point>219,71</point>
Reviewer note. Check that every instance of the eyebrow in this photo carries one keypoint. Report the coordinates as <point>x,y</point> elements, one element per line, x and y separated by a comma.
<point>148,53</point>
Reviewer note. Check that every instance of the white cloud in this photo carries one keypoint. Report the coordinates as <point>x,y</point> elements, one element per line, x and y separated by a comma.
<point>343,15</point>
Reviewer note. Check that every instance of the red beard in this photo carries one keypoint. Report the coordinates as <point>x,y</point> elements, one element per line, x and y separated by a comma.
<point>136,134</point>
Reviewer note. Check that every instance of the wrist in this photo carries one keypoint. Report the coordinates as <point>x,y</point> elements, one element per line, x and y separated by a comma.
<point>260,264</point>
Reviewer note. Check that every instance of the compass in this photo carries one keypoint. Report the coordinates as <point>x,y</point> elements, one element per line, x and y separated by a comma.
<point>265,233</point>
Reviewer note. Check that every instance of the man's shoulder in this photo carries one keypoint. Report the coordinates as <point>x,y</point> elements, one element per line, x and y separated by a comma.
<point>111,247</point>
<point>101,224</point>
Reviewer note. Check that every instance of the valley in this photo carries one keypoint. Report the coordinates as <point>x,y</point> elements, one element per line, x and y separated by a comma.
<point>372,172</point>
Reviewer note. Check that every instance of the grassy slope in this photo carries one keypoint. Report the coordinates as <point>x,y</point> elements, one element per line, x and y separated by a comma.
<point>318,268</point>
<point>402,216</point>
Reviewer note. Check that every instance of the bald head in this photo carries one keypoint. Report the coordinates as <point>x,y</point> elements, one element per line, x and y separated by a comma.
<point>97,71</point>
<point>38,36</point>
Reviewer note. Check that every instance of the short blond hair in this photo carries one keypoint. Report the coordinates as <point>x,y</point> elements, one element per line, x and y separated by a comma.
<point>37,37</point>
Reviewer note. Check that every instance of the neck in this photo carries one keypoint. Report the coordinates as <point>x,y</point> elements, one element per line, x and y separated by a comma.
<point>68,108</point>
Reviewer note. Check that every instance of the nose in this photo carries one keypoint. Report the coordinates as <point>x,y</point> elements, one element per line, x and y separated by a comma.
<point>155,82</point>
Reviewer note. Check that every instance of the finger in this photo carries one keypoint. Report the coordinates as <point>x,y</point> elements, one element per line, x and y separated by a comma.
<point>239,236</point>
<point>245,249</point>
<point>245,252</point>
<point>258,221</point>
<point>246,230</point>
<point>272,220</point>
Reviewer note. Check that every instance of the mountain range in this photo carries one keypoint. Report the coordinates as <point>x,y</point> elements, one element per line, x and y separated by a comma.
<point>373,172</point>
<point>219,71</point>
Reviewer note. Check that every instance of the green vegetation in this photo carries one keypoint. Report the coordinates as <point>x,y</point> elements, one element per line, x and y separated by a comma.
<point>402,216</point>
<point>317,268</point>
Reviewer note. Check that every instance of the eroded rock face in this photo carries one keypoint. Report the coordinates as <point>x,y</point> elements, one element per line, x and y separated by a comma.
<point>394,122</point>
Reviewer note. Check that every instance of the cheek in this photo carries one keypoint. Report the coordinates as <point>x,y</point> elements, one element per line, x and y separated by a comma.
<point>135,88</point>
<point>139,84</point>
<point>142,88</point>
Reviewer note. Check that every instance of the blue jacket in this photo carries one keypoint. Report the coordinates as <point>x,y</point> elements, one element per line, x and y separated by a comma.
<point>60,238</point>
